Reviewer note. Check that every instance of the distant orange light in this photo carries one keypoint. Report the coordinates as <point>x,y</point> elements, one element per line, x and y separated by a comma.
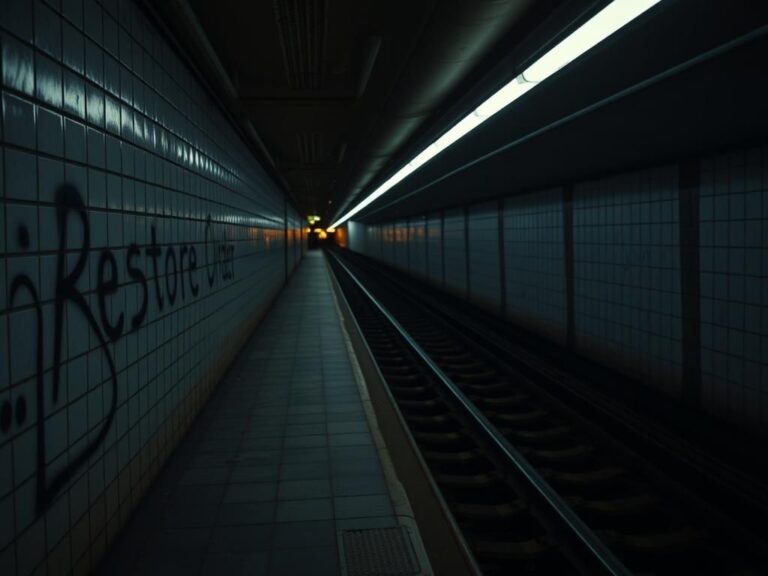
<point>322,235</point>
<point>330,230</point>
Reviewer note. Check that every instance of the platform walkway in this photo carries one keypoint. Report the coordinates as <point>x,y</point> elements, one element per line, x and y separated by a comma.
<point>276,464</point>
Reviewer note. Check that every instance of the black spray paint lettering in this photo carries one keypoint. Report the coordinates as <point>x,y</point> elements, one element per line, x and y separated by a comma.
<point>23,282</point>
<point>137,275</point>
<point>154,251</point>
<point>69,208</point>
<point>219,255</point>
<point>107,286</point>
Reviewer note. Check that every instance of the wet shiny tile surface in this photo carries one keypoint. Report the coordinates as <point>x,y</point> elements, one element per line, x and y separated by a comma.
<point>277,462</point>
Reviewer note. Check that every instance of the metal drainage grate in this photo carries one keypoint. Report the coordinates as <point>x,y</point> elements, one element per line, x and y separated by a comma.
<point>379,552</point>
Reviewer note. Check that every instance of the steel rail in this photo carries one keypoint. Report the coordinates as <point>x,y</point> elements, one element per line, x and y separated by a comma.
<point>596,549</point>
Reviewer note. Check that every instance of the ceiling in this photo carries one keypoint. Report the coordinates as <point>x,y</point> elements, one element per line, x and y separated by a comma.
<point>660,91</point>
<point>331,90</point>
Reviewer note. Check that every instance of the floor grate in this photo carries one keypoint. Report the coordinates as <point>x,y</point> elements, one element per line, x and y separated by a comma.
<point>379,552</point>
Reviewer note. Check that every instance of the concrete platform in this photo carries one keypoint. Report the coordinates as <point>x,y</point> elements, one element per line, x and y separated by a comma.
<point>278,463</point>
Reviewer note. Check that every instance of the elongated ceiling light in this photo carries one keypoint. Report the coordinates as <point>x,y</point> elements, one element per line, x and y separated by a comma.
<point>592,32</point>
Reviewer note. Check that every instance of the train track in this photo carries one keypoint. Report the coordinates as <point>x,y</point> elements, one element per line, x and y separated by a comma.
<point>534,487</point>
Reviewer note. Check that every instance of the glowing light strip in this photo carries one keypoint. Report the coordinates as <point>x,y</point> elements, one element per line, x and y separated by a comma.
<point>610,19</point>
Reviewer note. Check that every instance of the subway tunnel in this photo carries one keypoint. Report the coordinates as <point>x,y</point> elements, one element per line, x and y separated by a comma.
<point>381,288</point>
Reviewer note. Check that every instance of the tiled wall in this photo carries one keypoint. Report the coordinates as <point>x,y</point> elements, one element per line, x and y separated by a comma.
<point>373,241</point>
<point>140,243</point>
<point>534,262</point>
<point>483,253</point>
<point>417,247</point>
<point>401,245</point>
<point>435,248</point>
<point>627,274</point>
<point>388,243</point>
<point>734,285</point>
<point>622,306</point>
<point>293,235</point>
<point>357,236</point>
<point>455,252</point>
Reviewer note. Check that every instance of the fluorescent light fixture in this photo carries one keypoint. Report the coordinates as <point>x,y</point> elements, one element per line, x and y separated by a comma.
<point>459,130</point>
<point>586,37</point>
<point>505,96</point>
<point>610,19</point>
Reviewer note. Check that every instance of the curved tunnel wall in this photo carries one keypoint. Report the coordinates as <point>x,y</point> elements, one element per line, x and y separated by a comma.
<point>140,244</point>
<point>659,272</point>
